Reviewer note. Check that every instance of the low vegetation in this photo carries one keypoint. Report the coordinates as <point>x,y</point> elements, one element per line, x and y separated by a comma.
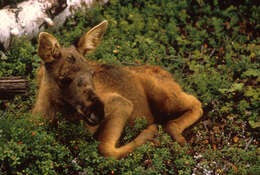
<point>9,2</point>
<point>211,48</point>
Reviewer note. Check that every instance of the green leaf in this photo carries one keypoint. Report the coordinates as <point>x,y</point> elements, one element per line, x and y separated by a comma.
<point>200,2</point>
<point>254,124</point>
<point>251,72</point>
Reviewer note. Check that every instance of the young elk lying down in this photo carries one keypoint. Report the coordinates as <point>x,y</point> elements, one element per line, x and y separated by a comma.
<point>108,97</point>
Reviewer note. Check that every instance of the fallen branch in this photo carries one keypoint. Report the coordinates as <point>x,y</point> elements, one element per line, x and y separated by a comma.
<point>248,143</point>
<point>10,86</point>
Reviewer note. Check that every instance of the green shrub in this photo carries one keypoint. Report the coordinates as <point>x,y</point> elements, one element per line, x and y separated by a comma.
<point>26,148</point>
<point>20,60</point>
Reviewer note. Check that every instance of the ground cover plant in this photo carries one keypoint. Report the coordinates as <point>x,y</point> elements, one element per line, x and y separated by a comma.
<point>211,48</point>
<point>8,2</point>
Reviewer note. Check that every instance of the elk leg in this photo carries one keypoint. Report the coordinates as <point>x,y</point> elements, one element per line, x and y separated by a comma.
<point>118,111</point>
<point>192,112</point>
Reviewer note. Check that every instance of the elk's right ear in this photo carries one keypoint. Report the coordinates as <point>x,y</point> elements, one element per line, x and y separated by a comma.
<point>49,47</point>
<point>91,39</point>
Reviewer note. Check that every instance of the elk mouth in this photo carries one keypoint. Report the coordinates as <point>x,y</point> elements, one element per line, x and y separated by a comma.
<point>90,119</point>
<point>92,115</point>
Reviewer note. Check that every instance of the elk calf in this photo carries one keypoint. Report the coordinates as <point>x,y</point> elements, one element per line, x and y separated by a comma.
<point>109,97</point>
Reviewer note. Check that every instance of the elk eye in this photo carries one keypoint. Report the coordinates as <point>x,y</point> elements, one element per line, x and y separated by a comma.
<point>71,59</point>
<point>92,72</point>
<point>66,81</point>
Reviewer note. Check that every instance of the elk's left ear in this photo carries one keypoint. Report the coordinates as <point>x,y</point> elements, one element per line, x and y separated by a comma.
<point>49,47</point>
<point>91,39</point>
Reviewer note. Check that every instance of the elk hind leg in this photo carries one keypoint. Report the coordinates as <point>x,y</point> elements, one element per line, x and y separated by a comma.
<point>192,111</point>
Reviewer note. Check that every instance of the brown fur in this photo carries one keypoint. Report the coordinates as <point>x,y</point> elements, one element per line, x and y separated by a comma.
<point>108,97</point>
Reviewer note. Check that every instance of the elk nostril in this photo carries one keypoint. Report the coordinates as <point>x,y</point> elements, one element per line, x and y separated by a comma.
<point>80,82</point>
<point>83,81</point>
<point>88,94</point>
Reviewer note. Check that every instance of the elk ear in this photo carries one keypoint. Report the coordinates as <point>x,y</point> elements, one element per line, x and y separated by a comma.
<point>91,39</point>
<point>49,47</point>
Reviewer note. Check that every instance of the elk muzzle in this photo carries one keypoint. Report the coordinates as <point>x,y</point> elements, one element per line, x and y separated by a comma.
<point>86,102</point>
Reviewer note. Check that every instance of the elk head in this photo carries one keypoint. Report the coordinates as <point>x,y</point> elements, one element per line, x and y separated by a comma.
<point>73,76</point>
